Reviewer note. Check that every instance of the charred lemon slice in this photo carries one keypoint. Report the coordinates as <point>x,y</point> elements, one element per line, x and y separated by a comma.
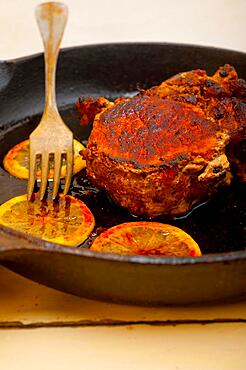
<point>16,161</point>
<point>67,221</point>
<point>146,239</point>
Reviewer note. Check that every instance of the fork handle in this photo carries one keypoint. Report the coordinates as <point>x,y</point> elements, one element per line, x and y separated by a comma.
<point>51,18</point>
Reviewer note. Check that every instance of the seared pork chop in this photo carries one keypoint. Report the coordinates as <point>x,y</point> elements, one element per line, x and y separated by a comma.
<point>170,147</point>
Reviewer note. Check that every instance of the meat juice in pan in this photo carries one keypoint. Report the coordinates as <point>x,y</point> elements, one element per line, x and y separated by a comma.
<point>217,225</point>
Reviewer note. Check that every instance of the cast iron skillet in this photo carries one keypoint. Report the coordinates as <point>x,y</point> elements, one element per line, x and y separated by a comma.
<point>114,70</point>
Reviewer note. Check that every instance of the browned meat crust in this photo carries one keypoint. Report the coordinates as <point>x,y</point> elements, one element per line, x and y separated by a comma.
<point>89,108</point>
<point>164,150</point>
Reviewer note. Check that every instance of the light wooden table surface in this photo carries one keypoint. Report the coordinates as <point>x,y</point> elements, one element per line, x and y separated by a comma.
<point>41,328</point>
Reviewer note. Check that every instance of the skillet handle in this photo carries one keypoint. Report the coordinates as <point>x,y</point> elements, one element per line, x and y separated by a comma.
<point>6,73</point>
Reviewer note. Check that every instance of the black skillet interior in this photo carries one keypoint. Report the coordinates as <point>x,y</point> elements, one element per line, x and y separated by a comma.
<point>116,70</point>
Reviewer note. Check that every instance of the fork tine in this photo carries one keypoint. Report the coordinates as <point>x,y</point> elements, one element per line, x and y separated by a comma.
<point>44,173</point>
<point>32,174</point>
<point>69,166</point>
<point>57,170</point>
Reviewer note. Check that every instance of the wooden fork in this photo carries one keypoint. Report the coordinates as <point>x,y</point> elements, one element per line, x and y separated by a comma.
<point>52,136</point>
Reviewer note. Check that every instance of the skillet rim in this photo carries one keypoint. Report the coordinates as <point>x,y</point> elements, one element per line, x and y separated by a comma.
<point>37,244</point>
<point>124,43</point>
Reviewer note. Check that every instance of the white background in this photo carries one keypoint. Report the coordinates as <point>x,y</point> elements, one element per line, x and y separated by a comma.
<point>209,22</point>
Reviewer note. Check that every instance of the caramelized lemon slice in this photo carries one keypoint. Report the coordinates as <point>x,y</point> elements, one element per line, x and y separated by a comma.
<point>16,161</point>
<point>146,238</point>
<point>67,221</point>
